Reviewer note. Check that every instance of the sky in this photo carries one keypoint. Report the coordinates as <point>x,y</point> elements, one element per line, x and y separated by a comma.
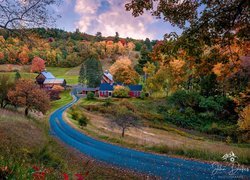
<point>108,17</point>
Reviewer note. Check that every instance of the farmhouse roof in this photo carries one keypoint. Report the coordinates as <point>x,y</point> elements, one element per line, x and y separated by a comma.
<point>47,75</point>
<point>106,87</point>
<point>53,81</point>
<point>90,89</point>
<point>135,87</point>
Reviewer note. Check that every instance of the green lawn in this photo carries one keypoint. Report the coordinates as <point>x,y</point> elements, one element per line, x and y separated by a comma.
<point>71,78</point>
<point>69,74</point>
<point>65,98</point>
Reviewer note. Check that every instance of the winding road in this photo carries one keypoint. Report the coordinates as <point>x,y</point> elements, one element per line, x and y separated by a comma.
<point>157,165</point>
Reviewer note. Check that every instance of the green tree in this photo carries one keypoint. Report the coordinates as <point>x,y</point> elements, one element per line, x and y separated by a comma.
<point>5,85</point>
<point>144,58</point>
<point>17,75</point>
<point>148,44</point>
<point>98,37</point>
<point>117,38</point>
<point>91,72</point>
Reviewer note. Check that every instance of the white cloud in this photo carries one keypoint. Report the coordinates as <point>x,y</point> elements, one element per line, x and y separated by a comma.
<point>116,19</point>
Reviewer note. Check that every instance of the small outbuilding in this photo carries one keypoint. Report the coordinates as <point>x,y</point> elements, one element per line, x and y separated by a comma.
<point>135,90</point>
<point>48,80</point>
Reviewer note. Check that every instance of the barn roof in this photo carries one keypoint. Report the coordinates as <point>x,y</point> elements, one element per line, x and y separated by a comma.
<point>54,81</point>
<point>48,75</point>
<point>106,87</point>
<point>135,87</point>
<point>108,75</point>
<point>90,89</point>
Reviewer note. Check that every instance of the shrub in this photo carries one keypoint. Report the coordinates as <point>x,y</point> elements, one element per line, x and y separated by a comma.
<point>83,120</point>
<point>75,114</point>
<point>143,95</point>
<point>90,96</point>
<point>121,92</point>
<point>108,102</point>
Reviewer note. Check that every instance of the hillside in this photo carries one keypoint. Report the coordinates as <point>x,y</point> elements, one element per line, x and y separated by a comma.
<point>27,151</point>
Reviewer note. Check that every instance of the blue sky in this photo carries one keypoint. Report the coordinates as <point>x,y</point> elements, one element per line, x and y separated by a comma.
<point>108,17</point>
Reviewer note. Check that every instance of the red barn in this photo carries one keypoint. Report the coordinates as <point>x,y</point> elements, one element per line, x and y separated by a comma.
<point>106,90</point>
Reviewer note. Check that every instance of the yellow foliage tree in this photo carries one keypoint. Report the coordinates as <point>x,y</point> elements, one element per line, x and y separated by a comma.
<point>244,120</point>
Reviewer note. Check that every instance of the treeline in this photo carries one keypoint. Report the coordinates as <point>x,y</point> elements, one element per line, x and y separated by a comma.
<point>61,48</point>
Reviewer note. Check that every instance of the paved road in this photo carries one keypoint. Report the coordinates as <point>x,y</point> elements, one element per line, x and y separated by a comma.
<point>162,166</point>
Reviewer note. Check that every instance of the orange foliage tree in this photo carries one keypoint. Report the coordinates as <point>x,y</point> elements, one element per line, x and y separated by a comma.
<point>123,71</point>
<point>28,95</point>
<point>38,65</point>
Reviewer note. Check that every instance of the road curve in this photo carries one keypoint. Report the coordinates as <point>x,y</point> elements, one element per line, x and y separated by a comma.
<point>162,166</point>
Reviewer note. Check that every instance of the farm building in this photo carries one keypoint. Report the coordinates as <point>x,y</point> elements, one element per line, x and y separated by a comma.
<point>87,90</point>
<point>48,80</point>
<point>107,78</point>
<point>106,90</point>
<point>135,90</point>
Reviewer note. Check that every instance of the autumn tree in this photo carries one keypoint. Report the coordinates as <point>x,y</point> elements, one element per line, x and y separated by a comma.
<point>37,65</point>
<point>121,91</point>
<point>123,71</point>
<point>130,48</point>
<point>5,85</point>
<point>212,21</point>
<point>121,62</point>
<point>28,95</point>
<point>125,119</point>
<point>126,75</point>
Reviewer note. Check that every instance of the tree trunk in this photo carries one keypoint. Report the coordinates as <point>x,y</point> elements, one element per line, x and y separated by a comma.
<point>26,111</point>
<point>123,132</point>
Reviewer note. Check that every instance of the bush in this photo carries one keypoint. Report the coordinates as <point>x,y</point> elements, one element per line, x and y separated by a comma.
<point>143,95</point>
<point>191,110</point>
<point>75,114</point>
<point>108,102</point>
<point>121,92</point>
<point>90,96</point>
<point>83,120</point>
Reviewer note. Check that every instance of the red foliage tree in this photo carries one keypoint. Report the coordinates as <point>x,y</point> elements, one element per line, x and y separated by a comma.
<point>38,65</point>
<point>28,95</point>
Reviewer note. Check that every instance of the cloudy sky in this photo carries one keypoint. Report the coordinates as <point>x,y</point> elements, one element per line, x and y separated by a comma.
<point>108,17</point>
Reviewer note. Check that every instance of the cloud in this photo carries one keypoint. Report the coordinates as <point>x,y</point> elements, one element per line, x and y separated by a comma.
<point>113,18</point>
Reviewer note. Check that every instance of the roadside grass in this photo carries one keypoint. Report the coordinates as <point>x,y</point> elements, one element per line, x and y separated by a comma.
<point>27,149</point>
<point>184,152</point>
<point>150,107</point>
<point>65,99</point>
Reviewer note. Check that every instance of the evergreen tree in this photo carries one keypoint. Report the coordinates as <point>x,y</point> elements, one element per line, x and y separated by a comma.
<point>98,37</point>
<point>17,75</point>
<point>117,38</point>
<point>144,58</point>
<point>91,72</point>
<point>147,42</point>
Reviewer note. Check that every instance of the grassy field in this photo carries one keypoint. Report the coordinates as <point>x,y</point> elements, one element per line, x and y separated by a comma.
<point>26,149</point>
<point>69,74</point>
<point>65,98</point>
<point>155,135</point>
